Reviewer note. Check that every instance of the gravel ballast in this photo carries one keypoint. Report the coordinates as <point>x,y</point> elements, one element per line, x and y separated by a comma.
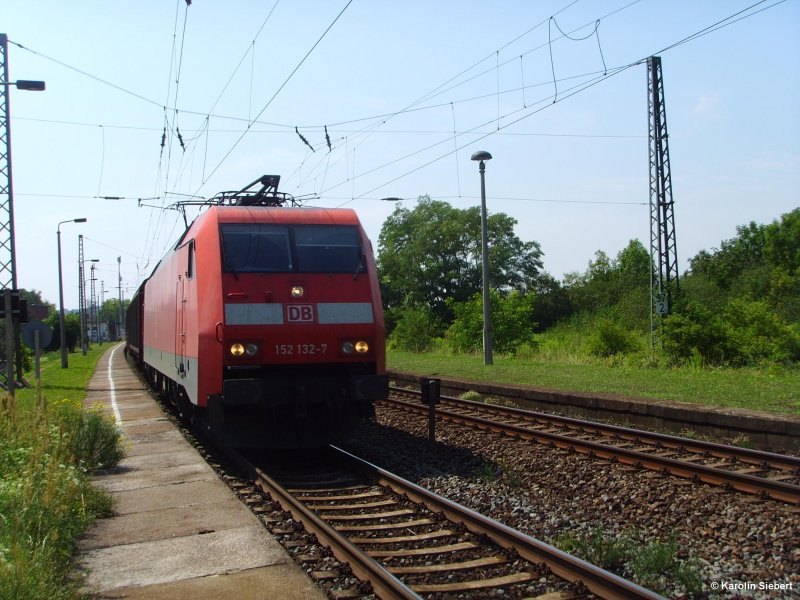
<point>718,543</point>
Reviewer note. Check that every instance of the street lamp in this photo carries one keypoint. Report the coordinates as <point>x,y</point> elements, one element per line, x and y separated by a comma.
<point>483,156</point>
<point>61,328</point>
<point>26,84</point>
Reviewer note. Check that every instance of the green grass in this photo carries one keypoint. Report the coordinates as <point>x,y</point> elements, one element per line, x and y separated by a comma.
<point>64,384</point>
<point>646,561</point>
<point>47,451</point>
<point>772,389</point>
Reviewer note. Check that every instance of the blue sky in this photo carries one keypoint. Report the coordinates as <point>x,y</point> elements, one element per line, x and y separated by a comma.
<point>408,91</point>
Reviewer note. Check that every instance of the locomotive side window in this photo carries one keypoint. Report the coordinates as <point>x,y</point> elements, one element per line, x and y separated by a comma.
<point>256,248</point>
<point>327,249</point>
<point>190,261</point>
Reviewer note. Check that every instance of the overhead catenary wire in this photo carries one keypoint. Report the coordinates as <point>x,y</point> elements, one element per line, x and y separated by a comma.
<point>508,198</point>
<point>204,129</point>
<point>278,91</point>
<point>714,27</point>
<point>369,130</point>
<point>594,32</point>
<point>166,106</point>
<point>736,17</point>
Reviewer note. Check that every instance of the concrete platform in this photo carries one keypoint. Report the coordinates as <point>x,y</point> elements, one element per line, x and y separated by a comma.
<point>178,532</point>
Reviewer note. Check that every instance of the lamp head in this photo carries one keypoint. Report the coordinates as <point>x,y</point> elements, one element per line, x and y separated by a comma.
<point>481,155</point>
<point>31,86</point>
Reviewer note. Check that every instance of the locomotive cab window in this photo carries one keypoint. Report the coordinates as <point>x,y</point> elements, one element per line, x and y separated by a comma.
<point>327,249</point>
<point>256,248</point>
<point>265,248</point>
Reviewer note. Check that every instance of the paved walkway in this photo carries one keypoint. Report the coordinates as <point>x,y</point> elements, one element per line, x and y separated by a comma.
<point>178,532</point>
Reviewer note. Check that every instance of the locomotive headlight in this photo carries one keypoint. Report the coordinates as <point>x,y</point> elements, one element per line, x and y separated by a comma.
<point>249,349</point>
<point>358,346</point>
<point>297,291</point>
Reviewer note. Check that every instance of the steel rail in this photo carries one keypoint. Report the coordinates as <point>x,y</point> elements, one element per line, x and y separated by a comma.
<point>745,455</point>
<point>600,582</point>
<point>384,584</point>
<point>743,482</point>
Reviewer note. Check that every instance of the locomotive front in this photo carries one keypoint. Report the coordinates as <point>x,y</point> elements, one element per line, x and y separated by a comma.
<point>302,333</point>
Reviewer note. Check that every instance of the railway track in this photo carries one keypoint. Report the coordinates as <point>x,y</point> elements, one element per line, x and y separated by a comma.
<point>411,543</point>
<point>751,471</point>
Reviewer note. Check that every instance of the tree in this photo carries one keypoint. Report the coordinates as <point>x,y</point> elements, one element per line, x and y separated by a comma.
<point>550,302</point>
<point>431,254</point>
<point>782,242</point>
<point>762,263</point>
<point>72,328</point>
<point>620,286</point>
<point>33,297</point>
<point>734,256</point>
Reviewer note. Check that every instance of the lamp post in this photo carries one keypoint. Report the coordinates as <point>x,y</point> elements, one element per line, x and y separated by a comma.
<point>8,262</point>
<point>61,327</point>
<point>483,156</point>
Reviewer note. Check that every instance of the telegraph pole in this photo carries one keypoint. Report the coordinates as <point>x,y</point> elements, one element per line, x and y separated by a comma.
<point>663,247</point>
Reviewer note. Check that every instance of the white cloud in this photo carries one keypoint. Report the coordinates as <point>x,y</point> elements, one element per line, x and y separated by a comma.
<point>705,104</point>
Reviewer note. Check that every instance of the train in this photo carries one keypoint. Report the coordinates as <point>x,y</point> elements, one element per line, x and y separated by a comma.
<point>264,321</point>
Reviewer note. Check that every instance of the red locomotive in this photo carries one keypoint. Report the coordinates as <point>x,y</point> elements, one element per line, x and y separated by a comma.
<point>265,322</point>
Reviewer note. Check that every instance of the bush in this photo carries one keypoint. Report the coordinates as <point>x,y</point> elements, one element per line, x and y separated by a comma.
<point>742,333</point>
<point>754,333</point>
<point>512,325</point>
<point>610,338</point>
<point>93,439</point>
<point>415,330</point>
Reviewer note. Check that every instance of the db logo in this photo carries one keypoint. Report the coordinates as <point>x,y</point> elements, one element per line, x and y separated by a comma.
<point>300,313</point>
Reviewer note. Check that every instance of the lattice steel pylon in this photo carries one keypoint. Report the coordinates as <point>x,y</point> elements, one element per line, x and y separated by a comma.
<point>8,271</point>
<point>8,267</point>
<point>94,324</point>
<point>663,248</point>
<point>82,293</point>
